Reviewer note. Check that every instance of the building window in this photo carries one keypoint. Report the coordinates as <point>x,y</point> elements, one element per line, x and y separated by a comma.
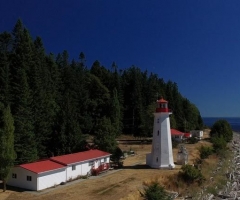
<point>73,167</point>
<point>29,178</point>
<point>90,163</point>
<point>157,120</point>
<point>105,159</point>
<point>14,175</point>
<point>157,159</point>
<point>158,133</point>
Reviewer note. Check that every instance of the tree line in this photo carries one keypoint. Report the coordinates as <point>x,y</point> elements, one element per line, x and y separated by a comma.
<point>56,103</point>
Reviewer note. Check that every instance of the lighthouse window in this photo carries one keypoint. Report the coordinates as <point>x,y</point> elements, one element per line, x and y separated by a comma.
<point>163,105</point>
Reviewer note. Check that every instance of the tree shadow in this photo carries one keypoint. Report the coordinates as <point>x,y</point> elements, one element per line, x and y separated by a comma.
<point>140,166</point>
<point>12,188</point>
<point>206,139</point>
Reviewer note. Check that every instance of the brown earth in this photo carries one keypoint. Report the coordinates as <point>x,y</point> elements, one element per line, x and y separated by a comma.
<point>123,184</point>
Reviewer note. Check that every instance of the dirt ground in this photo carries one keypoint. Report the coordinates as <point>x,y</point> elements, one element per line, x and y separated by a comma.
<point>123,184</point>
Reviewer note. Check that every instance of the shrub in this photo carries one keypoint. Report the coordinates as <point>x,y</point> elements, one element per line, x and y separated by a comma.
<point>193,140</point>
<point>222,128</point>
<point>154,191</point>
<point>191,174</point>
<point>117,154</point>
<point>219,144</point>
<point>205,151</point>
<point>175,144</point>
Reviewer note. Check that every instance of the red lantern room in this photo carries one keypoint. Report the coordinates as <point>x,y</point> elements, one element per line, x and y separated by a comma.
<point>162,106</point>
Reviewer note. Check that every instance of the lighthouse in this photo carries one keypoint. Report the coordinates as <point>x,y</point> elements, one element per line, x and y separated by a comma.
<point>161,155</point>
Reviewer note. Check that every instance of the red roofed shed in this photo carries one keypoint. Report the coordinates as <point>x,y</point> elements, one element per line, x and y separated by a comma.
<point>177,135</point>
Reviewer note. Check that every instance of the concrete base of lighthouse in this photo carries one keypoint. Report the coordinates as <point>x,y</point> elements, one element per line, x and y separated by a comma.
<point>162,164</point>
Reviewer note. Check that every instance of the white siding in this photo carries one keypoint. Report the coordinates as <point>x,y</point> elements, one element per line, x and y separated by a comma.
<point>197,133</point>
<point>73,174</point>
<point>83,168</point>
<point>51,178</point>
<point>86,168</point>
<point>21,179</point>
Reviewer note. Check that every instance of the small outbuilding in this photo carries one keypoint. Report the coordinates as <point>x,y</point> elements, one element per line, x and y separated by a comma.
<point>187,135</point>
<point>197,133</point>
<point>59,169</point>
<point>37,175</point>
<point>177,135</point>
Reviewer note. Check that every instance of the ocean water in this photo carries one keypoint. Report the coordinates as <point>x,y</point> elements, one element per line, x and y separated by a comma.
<point>233,121</point>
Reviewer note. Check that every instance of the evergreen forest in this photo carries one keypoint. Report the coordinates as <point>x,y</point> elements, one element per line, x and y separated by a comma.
<point>57,103</point>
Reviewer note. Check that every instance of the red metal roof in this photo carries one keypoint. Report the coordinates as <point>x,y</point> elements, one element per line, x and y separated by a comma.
<point>187,135</point>
<point>162,101</point>
<point>42,166</point>
<point>80,156</point>
<point>176,132</point>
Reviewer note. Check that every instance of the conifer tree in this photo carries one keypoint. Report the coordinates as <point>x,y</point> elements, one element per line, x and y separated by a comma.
<point>25,141</point>
<point>42,99</point>
<point>70,138</point>
<point>105,137</point>
<point>116,113</point>
<point>5,48</point>
<point>21,65</point>
<point>7,153</point>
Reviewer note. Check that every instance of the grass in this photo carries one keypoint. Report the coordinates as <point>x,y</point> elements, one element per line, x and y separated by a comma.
<point>106,190</point>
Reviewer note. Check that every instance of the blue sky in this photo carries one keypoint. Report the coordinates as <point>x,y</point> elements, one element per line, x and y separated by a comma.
<point>195,43</point>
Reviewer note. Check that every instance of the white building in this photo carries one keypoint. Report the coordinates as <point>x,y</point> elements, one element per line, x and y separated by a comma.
<point>177,135</point>
<point>37,175</point>
<point>197,133</point>
<point>161,155</point>
<point>60,169</point>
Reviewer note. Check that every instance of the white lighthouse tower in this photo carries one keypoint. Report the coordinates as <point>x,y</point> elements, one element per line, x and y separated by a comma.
<point>161,155</point>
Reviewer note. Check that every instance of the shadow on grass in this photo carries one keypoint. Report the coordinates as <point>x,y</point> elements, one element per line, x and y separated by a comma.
<point>140,166</point>
<point>12,188</point>
<point>206,139</point>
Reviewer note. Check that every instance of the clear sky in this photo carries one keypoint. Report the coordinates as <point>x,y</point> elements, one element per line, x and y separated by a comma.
<point>195,43</point>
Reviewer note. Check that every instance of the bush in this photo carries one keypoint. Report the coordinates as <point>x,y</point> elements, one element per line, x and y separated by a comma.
<point>191,174</point>
<point>154,191</point>
<point>222,128</point>
<point>193,140</point>
<point>175,143</point>
<point>219,144</point>
<point>205,151</point>
<point>117,154</point>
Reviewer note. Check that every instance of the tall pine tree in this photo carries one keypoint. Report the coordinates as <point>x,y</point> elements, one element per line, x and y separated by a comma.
<point>7,153</point>
<point>22,61</point>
